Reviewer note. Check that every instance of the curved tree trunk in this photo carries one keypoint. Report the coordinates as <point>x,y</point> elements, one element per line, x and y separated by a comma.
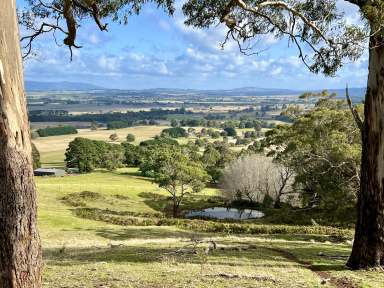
<point>20,252</point>
<point>368,247</point>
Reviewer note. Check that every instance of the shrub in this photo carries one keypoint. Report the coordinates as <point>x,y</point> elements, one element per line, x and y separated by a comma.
<point>134,219</point>
<point>231,132</point>
<point>130,138</point>
<point>55,131</point>
<point>175,132</point>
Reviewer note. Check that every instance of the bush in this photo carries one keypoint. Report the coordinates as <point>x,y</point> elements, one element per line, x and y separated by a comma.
<point>134,219</point>
<point>175,132</point>
<point>231,132</point>
<point>130,138</point>
<point>119,124</point>
<point>55,131</point>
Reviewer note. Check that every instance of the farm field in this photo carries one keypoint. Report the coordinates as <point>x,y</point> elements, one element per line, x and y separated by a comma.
<point>79,252</point>
<point>53,148</point>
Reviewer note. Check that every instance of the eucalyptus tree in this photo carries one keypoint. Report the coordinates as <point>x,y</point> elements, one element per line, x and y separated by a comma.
<point>20,250</point>
<point>324,41</point>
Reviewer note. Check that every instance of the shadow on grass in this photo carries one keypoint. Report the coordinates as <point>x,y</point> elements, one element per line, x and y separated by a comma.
<point>140,254</point>
<point>259,257</point>
<point>319,239</point>
<point>145,233</point>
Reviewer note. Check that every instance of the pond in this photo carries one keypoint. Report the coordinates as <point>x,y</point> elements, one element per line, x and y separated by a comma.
<point>226,213</point>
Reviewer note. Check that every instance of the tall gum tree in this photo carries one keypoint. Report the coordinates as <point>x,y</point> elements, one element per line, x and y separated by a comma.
<point>20,248</point>
<point>324,40</point>
<point>20,253</point>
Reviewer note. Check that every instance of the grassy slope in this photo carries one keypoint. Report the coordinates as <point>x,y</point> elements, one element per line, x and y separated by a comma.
<point>85,253</point>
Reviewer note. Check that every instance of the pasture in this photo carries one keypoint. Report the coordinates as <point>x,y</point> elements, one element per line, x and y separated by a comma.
<point>81,252</point>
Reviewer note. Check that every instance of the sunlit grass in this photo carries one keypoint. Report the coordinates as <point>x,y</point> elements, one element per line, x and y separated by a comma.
<point>87,253</point>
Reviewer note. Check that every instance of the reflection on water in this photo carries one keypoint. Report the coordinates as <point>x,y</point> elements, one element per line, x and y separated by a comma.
<point>226,213</point>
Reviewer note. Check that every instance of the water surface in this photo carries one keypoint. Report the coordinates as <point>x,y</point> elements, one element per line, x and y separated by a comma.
<point>226,213</point>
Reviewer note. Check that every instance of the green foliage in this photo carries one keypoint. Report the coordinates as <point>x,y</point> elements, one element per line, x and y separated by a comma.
<point>215,157</point>
<point>323,148</point>
<point>119,124</point>
<point>132,154</point>
<point>175,132</point>
<point>177,169</point>
<point>159,141</point>
<point>130,138</point>
<point>55,131</point>
<point>87,155</point>
<point>318,29</point>
<point>231,131</point>
<point>174,123</point>
<point>35,157</point>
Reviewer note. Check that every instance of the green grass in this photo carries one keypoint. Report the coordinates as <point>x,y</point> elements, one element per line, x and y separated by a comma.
<point>80,252</point>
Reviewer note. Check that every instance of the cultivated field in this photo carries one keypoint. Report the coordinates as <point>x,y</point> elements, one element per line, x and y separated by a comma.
<point>88,253</point>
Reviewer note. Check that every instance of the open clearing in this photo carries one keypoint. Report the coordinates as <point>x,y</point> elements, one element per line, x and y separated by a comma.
<point>88,253</point>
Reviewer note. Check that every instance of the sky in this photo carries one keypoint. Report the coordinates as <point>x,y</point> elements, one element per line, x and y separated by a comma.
<point>158,51</point>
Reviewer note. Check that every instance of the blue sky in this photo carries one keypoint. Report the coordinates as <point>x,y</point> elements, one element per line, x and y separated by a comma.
<point>155,50</point>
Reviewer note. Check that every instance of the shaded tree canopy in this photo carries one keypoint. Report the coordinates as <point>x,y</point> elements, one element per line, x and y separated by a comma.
<point>319,29</point>
<point>62,18</point>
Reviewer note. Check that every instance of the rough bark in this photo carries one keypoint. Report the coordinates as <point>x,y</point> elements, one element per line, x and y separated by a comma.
<point>368,248</point>
<point>20,252</point>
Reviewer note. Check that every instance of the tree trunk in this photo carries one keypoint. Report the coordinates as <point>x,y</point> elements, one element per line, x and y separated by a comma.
<point>368,247</point>
<point>20,251</point>
<point>175,210</point>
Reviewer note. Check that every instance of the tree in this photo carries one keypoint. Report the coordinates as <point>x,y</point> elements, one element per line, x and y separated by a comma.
<point>174,132</point>
<point>215,157</point>
<point>20,249</point>
<point>87,155</point>
<point>35,157</point>
<point>174,123</point>
<point>324,42</point>
<point>112,156</point>
<point>94,126</point>
<point>132,154</point>
<point>180,177</point>
<point>20,260</point>
<point>82,154</point>
<point>323,149</point>
<point>231,132</point>
<point>55,131</point>
<point>253,178</point>
<point>130,138</point>
<point>113,137</point>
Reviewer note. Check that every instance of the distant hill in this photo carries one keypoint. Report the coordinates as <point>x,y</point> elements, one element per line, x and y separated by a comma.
<point>59,86</point>
<point>246,91</point>
<point>357,94</point>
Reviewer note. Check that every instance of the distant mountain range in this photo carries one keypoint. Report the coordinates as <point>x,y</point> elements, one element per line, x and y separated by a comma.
<point>357,94</point>
<point>60,86</point>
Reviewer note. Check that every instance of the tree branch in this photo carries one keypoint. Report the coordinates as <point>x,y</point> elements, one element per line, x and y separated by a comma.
<point>354,112</point>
